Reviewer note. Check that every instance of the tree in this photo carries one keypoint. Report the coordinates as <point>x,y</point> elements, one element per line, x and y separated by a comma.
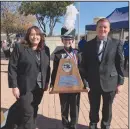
<point>45,12</point>
<point>7,18</point>
<point>22,23</point>
<point>34,8</point>
<point>11,21</point>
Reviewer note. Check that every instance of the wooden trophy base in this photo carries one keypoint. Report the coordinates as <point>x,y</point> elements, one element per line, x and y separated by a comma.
<point>68,79</point>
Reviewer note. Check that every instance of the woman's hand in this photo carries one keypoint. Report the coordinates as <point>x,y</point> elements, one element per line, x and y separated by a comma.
<point>16,92</point>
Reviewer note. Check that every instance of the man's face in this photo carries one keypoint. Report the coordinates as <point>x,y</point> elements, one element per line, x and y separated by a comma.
<point>102,29</point>
<point>67,42</point>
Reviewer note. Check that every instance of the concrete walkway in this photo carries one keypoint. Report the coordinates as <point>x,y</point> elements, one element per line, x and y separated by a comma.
<point>49,115</point>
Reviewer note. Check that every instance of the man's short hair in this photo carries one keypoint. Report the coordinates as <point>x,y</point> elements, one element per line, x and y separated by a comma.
<point>83,37</point>
<point>103,20</point>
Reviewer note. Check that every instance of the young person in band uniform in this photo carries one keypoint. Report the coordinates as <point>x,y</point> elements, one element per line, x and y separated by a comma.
<point>102,66</point>
<point>68,101</point>
<point>28,76</point>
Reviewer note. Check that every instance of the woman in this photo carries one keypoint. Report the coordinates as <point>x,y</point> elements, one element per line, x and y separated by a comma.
<point>28,75</point>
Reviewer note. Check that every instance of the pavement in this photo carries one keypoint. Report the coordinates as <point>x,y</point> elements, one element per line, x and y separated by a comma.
<point>49,114</point>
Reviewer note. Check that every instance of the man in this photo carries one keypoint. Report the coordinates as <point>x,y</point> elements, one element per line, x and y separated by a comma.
<point>126,52</point>
<point>102,66</point>
<point>81,44</point>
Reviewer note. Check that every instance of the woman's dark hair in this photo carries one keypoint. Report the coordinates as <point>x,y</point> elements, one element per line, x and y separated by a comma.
<point>38,31</point>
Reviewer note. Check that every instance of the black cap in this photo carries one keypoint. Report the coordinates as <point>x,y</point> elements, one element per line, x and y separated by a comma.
<point>67,34</point>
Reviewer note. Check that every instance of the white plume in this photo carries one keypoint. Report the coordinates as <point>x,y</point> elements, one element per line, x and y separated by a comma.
<point>70,17</point>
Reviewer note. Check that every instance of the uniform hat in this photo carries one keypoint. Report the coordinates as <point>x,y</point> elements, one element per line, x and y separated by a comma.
<point>68,29</point>
<point>67,34</point>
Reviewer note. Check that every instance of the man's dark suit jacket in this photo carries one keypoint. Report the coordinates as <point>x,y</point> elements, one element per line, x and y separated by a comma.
<point>23,68</point>
<point>109,72</point>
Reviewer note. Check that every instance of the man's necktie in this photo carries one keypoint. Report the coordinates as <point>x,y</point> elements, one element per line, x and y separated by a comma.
<point>100,51</point>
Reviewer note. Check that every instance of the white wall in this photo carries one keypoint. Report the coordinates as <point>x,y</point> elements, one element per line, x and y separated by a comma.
<point>91,35</point>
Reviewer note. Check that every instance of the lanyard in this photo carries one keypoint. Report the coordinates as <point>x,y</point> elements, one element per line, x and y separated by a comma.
<point>72,56</point>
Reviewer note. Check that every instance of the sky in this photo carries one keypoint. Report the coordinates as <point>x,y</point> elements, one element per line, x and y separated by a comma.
<point>90,10</point>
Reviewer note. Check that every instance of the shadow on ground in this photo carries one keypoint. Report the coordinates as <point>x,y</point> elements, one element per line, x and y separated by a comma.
<point>4,71</point>
<point>50,123</point>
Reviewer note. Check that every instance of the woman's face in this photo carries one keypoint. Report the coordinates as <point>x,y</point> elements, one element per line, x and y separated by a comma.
<point>34,37</point>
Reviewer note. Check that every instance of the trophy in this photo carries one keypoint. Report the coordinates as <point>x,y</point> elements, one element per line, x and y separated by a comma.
<point>68,79</point>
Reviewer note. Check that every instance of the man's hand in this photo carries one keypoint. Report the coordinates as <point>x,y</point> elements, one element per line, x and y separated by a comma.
<point>88,89</point>
<point>119,89</point>
<point>16,92</point>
